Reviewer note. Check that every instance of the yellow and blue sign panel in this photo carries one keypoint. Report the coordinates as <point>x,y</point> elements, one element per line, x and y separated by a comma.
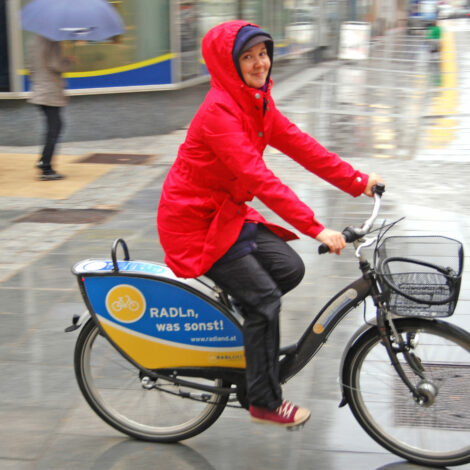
<point>161,324</point>
<point>155,71</point>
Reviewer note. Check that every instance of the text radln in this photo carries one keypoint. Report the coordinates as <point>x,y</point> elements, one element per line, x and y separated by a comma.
<point>172,312</point>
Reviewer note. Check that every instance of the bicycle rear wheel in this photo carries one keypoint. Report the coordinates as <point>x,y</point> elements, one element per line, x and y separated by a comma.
<point>114,389</point>
<point>434,433</point>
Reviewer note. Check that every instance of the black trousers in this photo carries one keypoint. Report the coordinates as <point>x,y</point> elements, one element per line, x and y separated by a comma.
<point>257,281</point>
<point>53,129</point>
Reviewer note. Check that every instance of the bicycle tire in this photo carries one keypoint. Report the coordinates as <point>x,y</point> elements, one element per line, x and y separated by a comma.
<point>113,388</point>
<point>435,435</point>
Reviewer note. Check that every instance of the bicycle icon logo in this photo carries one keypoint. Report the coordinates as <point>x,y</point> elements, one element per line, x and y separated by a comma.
<point>125,303</point>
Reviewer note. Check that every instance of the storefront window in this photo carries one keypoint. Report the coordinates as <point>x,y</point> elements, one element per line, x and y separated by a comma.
<point>214,12</point>
<point>161,44</point>
<point>336,13</point>
<point>130,59</point>
<point>277,18</point>
<point>302,30</point>
<point>267,14</point>
<point>188,33</point>
<point>4,71</point>
<point>252,10</point>
<point>290,22</point>
<point>364,10</point>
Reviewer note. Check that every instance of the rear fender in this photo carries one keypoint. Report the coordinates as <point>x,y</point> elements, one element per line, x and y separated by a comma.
<point>78,321</point>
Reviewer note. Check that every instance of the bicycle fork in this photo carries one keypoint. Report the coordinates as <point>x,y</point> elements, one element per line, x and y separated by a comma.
<point>425,392</point>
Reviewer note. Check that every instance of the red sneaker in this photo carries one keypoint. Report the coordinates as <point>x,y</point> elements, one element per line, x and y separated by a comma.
<point>286,415</point>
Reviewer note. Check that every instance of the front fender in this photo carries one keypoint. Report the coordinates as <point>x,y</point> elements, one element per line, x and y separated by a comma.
<point>364,329</point>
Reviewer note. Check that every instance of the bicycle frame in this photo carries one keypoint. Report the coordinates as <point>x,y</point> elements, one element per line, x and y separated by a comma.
<point>298,355</point>
<point>158,322</point>
<point>99,278</point>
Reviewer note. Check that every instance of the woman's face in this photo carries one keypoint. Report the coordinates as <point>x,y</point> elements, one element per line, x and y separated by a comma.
<point>254,65</point>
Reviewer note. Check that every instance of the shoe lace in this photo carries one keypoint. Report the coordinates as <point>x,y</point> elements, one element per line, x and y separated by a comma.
<point>285,409</point>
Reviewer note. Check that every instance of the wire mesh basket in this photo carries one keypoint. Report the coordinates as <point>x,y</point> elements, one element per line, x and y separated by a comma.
<point>420,276</point>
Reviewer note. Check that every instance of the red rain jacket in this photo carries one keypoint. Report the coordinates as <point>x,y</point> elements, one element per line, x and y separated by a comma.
<point>220,167</point>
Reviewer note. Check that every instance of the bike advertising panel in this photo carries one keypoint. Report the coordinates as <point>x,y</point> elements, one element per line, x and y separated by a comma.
<point>158,321</point>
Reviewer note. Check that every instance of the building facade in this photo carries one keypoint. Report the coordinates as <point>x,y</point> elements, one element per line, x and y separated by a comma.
<point>160,49</point>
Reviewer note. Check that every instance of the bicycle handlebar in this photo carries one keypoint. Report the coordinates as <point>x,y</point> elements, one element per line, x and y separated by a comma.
<point>352,234</point>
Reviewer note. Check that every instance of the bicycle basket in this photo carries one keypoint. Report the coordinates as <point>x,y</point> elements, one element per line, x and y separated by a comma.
<point>420,276</point>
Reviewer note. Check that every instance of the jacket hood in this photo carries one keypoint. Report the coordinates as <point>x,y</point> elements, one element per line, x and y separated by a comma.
<point>217,50</point>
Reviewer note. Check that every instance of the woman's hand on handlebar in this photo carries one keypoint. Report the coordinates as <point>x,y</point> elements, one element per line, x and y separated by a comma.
<point>333,239</point>
<point>373,180</point>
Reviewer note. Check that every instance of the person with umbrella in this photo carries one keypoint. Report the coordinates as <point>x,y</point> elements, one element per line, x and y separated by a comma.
<point>54,21</point>
<point>46,64</point>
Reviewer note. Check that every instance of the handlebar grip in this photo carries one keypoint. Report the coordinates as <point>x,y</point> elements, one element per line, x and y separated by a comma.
<point>349,236</point>
<point>378,188</point>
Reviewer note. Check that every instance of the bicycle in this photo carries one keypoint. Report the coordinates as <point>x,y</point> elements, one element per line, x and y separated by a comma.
<point>165,371</point>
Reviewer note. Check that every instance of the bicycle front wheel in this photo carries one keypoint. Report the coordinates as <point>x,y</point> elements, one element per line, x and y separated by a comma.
<point>114,389</point>
<point>436,432</point>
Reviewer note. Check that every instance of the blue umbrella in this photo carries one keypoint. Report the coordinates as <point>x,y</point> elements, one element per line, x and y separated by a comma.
<point>62,20</point>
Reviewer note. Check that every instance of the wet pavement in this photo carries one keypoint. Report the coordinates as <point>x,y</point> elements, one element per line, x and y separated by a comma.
<point>402,113</point>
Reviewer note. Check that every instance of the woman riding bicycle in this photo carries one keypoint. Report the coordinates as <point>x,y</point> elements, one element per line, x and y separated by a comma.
<point>204,224</point>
